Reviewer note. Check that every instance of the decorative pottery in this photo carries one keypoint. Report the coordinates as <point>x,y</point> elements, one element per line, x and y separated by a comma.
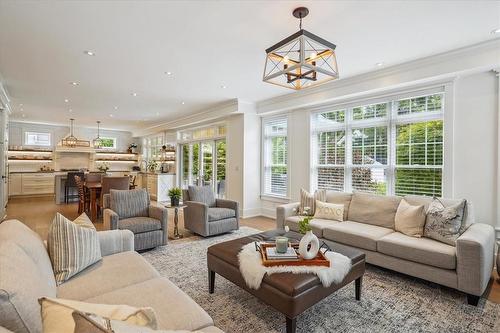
<point>174,202</point>
<point>305,251</point>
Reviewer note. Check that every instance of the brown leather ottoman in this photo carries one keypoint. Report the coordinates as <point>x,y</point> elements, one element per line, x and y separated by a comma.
<point>290,294</point>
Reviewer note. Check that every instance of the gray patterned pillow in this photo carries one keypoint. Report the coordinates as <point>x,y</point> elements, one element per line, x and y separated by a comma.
<point>445,224</point>
<point>73,246</point>
<point>203,194</point>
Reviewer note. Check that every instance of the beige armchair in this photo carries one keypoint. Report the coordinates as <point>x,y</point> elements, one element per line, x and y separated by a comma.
<point>131,210</point>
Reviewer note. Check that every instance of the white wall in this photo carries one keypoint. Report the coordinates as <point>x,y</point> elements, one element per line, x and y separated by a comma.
<point>17,129</point>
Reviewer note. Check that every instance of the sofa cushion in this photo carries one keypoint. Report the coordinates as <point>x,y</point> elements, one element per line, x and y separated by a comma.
<point>373,209</point>
<point>203,194</point>
<point>426,201</point>
<point>422,250</point>
<point>139,224</point>
<point>73,246</point>
<point>112,272</point>
<point>340,198</point>
<point>22,282</point>
<point>130,203</point>
<point>356,234</point>
<point>215,213</point>
<point>174,309</point>
<point>308,201</point>
<point>317,225</point>
<point>410,219</point>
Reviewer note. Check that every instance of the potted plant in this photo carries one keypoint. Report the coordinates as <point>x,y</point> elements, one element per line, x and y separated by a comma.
<point>131,148</point>
<point>175,194</point>
<point>152,165</point>
<point>103,167</point>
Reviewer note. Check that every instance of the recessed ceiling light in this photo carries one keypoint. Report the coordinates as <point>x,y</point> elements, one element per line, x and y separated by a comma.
<point>22,109</point>
<point>183,103</point>
<point>89,53</point>
<point>21,105</point>
<point>223,86</point>
<point>496,31</point>
<point>116,108</point>
<point>111,115</point>
<point>66,100</point>
<point>134,94</point>
<point>74,83</point>
<point>379,64</point>
<point>168,73</point>
<point>23,115</point>
<point>70,110</point>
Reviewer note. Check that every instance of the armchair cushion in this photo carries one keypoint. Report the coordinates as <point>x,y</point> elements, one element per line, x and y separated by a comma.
<point>139,224</point>
<point>215,213</point>
<point>202,194</point>
<point>130,203</point>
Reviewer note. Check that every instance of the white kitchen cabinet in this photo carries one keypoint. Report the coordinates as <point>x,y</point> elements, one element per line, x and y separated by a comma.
<point>158,185</point>
<point>15,184</point>
<point>31,184</point>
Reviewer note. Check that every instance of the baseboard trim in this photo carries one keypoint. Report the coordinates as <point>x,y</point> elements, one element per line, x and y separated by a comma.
<point>269,212</point>
<point>251,212</point>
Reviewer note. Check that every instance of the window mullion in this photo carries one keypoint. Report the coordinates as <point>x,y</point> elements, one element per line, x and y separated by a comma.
<point>348,152</point>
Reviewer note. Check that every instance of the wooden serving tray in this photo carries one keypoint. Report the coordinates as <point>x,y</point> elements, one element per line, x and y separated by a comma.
<point>320,259</point>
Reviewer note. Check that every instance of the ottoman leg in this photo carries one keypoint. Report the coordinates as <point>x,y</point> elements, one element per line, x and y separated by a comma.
<point>211,281</point>
<point>291,325</point>
<point>357,285</point>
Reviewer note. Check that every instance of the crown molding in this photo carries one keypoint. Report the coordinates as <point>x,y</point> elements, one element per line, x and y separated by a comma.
<point>213,113</point>
<point>482,56</point>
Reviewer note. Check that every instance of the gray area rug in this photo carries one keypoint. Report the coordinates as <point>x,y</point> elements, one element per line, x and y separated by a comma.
<point>390,302</point>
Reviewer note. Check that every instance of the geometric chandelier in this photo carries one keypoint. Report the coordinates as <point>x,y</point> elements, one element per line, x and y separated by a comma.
<point>301,60</point>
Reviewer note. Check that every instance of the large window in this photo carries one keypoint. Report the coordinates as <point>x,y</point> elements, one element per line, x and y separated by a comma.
<point>389,147</point>
<point>37,139</point>
<point>275,157</point>
<point>108,143</point>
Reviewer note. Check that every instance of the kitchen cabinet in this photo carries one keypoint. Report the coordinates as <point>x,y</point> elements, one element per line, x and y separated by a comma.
<point>158,185</point>
<point>15,184</point>
<point>31,183</point>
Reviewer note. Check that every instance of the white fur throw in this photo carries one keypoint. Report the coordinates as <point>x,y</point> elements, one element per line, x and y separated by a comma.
<point>253,271</point>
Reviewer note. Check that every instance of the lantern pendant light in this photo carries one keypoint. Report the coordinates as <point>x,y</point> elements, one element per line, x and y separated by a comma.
<point>71,140</point>
<point>301,60</point>
<point>97,141</point>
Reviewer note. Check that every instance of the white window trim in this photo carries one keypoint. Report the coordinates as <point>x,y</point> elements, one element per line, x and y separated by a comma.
<point>108,138</point>
<point>271,196</point>
<point>25,139</point>
<point>390,121</point>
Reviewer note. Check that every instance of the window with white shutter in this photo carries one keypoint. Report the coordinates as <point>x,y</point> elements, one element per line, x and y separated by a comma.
<point>275,157</point>
<point>390,147</point>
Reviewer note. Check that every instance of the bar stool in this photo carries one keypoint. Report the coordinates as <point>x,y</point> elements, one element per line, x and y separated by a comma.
<point>71,184</point>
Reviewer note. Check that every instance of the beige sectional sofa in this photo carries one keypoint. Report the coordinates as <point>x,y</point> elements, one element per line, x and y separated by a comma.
<point>369,226</point>
<point>121,277</point>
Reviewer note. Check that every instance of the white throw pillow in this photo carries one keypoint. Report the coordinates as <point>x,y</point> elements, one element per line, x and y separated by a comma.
<point>329,211</point>
<point>73,246</point>
<point>57,314</point>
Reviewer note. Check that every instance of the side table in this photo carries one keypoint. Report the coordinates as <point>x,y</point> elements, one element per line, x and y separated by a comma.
<point>177,235</point>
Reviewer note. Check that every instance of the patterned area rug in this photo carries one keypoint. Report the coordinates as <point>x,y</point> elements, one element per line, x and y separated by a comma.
<point>390,302</point>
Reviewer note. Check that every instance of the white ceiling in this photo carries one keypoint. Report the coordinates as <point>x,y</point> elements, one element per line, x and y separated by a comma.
<point>205,44</point>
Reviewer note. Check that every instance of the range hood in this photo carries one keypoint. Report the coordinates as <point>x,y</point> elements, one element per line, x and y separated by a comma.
<point>63,149</point>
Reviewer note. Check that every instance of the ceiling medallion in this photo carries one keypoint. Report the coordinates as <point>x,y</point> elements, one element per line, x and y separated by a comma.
<point>301,60</point>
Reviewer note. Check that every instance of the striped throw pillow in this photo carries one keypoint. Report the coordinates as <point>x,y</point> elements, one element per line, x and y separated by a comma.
<point>309,200</point>
<point>73,246</point>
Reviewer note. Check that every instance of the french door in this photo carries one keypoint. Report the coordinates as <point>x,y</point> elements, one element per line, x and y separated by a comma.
<point>203,163</point>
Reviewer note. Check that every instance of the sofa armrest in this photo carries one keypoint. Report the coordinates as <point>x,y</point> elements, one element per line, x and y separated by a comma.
<point>115,241</point>
<point>284,211</point>
<point>475,257</point>
<point>196,217</point>
<point>161,214</point>
<point>231,204</point>
<point>110,219</point>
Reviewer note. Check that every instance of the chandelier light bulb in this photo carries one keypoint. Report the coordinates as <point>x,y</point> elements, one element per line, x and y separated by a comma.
<point>285,59</point>
<point>313,55</point>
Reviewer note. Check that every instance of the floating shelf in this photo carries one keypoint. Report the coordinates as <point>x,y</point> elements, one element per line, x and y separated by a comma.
<point>29,160</point>
<point>113,161</point>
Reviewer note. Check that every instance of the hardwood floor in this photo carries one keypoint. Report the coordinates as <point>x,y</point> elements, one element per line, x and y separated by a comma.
<point>38,212</point>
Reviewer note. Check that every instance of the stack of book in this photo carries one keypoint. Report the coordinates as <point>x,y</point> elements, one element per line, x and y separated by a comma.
<point>273,255</point>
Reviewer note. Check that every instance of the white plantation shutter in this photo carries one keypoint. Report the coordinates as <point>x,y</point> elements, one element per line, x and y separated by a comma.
<point>390,147</point>
<point>275,157</point>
